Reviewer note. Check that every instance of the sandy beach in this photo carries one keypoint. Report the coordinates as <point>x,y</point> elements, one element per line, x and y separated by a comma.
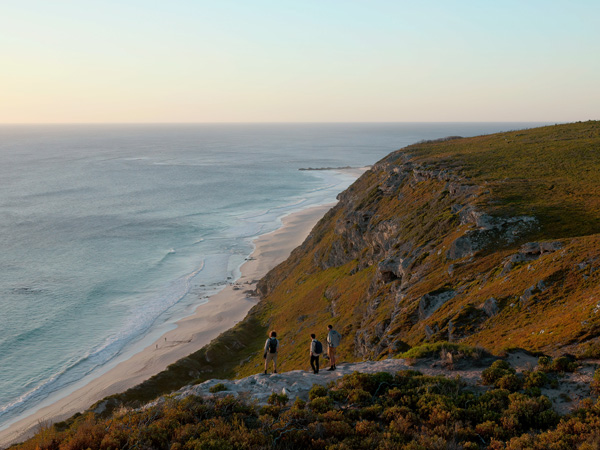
<point>221,312</point>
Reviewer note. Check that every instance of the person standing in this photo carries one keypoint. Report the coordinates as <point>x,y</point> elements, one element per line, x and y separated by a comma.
<point>316,348</point>
<point>271,350</point>
<point>333,341</point>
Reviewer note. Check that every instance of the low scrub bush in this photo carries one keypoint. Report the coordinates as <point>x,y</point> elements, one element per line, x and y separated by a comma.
<point>536,378</point>
<point>317,391</point>
<point>561,364</point>
<point>219,387</point>
<point>277,399</point>
<point>436,348</point>
<point>405,410</point>
<point>595,384</point>
<point>498,370</point>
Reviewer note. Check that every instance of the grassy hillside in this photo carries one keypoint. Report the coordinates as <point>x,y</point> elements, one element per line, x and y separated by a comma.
<point>551,172</point>
<point>389,267</point>
<point>408,212</point>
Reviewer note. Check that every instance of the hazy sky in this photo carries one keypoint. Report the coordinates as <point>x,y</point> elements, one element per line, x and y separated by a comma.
<point>299,61</point>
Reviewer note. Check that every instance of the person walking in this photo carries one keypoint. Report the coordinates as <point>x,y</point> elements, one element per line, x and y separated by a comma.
<point>316,348</point>
<point>271,350</point>
<point>333,341</point>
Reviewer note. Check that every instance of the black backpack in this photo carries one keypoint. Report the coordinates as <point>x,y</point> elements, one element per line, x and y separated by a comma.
<point>318,347</point>
<point>272,345</point>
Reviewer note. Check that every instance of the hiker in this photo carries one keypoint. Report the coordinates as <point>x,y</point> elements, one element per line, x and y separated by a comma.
<point>333,340</point>
<point>271,349</point>
<point>316,348</point>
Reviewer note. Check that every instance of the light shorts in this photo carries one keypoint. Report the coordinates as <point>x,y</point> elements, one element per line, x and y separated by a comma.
<point>272,357</point>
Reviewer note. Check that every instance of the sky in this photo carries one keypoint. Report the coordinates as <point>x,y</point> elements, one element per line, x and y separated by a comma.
<point>129,61</point>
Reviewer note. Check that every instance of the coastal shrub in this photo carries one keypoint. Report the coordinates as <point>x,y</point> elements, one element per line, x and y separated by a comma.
<point>564,364</point>
<point>535,378</point>
<point>320,404</point>
<point>338,394</point>
<point>436,348</point>
<point>317,391</point>
<point>277,399</point>
<point>561,364</point>
<point>358,396</point>
<point>496,371</point>
<point>545,363</point>
<point>417,412</point>
<point>510,382</point>
<point>524,413</point>
<point>219,387</point>
<point>299,403</point>
<point>595,384</point>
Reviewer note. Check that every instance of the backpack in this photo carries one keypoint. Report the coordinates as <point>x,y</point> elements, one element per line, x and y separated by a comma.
<point>318,348</point>
<point>334,338</point>
<point>272,345</point>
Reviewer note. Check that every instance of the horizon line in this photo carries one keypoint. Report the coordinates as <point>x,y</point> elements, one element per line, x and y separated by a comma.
<point>293,123</point>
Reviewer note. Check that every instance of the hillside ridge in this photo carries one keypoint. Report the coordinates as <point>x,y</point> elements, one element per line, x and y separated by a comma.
<point>440,241</point>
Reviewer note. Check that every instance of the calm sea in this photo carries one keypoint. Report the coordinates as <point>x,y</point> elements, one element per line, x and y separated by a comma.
<point>110,233</point>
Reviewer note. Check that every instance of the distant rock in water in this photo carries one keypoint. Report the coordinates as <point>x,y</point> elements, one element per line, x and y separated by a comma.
<point>328,168</point>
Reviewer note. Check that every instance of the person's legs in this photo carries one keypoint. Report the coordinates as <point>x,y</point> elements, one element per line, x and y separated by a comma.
<point>314,363</point>
<point>274,362</point>
<point>268,359</point>
<point>331,353</point>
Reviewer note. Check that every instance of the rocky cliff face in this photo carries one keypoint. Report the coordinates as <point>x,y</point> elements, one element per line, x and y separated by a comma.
<point>416,250</point>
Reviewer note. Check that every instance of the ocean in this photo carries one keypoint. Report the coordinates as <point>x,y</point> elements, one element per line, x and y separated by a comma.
<point>111,233</point>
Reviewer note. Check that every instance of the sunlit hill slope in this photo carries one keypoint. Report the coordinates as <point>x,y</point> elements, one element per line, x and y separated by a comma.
<point>490,241</point>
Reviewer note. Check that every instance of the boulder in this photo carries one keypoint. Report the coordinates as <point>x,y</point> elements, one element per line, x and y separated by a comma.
<point>490,307</point>
<point>431,302</point>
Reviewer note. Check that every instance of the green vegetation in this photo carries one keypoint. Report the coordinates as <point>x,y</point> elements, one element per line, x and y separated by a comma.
<point>435,348</point>
<point>380,411</point>
<point>219,387</point>
<point>551,172</point>
<point>561,364</point>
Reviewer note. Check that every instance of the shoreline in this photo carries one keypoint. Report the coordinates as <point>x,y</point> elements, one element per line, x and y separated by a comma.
<point>221,312</point>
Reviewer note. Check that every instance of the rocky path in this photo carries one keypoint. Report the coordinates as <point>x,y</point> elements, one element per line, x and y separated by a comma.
<point>297,383</point>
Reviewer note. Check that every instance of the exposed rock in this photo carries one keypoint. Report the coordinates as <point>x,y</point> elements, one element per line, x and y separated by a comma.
<point>451,330</point>
<point>296,383</point>
<point>457,189</point>
<point>431,331</point>
<point>431,302</point>
<point>490,306</point>
<point>534,249</point>
<point>492,231</point>
<point>549,247</point>
<point>393,268</point>
<point>530,248</point>
<point>537,288</point>
<point>527,294</point>
<point>391,185</point>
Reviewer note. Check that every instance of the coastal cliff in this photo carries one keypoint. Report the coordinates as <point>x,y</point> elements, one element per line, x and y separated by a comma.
<point>489,241</point>
<point>449,253</point>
